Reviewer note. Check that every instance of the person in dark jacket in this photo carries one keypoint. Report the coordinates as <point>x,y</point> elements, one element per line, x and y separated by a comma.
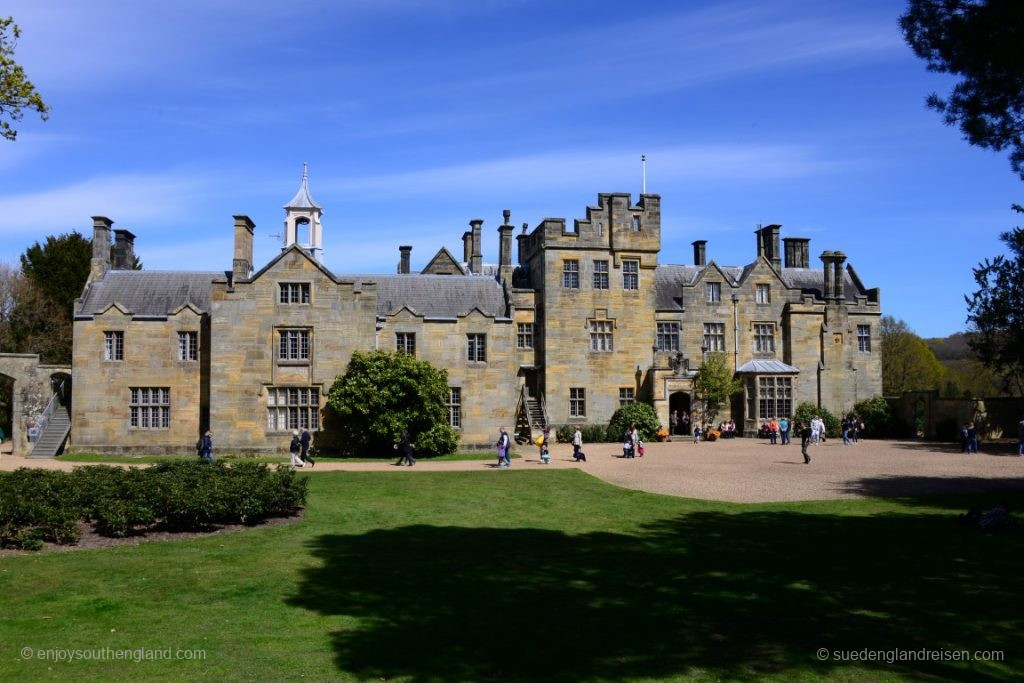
<point>206,451</point>
<point>405,447</point>
<point>294,448</point>
<point>304,442</point>
<point>805,441</point>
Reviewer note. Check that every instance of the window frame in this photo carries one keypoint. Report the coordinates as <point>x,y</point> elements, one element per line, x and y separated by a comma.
<point>570,273</point>
<point>293,407</point>
<point>149,408</point>
<point>714,337</point>
<point>667,331</point>
<point>113,345</point>
<point>764,335</point>
<point>454,405</point>
<point>405,342</point>
<point>577,402</point>
<point>864,338</point>
<point>602,336</point>
<point>526,336</point>
<point>476,347</point>
<point>713,292</point>
<point>601,280</point>
<point>762,294</point>
<point>294,344</point>
<point>188,346</point>
<point>627,396</point>
<point>294,293</point>
<point>630,275</point>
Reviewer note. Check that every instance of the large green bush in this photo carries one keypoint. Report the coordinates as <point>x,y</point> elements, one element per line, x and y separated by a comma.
<point>41,505</point>
<point>805,412</point>
<point>876,416</point>
<point>641,414</point>
<point>589,433</point>
<point>381,394</point>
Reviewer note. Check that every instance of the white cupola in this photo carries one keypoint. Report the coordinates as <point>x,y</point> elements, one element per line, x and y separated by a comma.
<point>302,217</point>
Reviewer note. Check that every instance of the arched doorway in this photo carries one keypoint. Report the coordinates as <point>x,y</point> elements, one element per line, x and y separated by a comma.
<point>679,403</point>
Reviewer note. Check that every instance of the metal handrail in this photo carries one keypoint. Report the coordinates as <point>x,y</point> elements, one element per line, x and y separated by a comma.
<point>44,419</point>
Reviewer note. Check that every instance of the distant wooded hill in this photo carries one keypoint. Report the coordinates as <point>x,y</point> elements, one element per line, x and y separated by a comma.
<point>965,374</point>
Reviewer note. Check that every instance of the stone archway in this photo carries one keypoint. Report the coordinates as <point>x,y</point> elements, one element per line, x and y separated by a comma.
<point>31,390</point>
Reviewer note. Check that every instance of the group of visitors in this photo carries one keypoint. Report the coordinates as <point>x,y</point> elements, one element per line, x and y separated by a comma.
<point>679,424</point>
<point>851,427</point>
<point>632,446</point>
<point>299,448</point>
<point>968,438</point>
<point>728,429</point>
<point>776,430</point>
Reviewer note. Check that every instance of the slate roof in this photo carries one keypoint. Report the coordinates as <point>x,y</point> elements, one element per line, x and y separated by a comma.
<point>669,280</point>
<point>767,367</point>
<point>149,292</point>
<point>442,296</point>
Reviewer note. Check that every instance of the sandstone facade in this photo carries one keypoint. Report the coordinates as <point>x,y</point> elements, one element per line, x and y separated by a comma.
<point>585,320</point>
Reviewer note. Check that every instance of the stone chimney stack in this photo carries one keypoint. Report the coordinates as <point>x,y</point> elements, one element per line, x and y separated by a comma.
<point>467,247</point>
<point>798,250</point>
<point>476,263</point>
<point>100,262</point>
<point>521,243</point>
<point>837,287</point>
<point>403,265</point>
<point>700,253</point>
<point>827,258</point>
<point>505,241</point>
<point>241,266</point>
<point>124,250</point>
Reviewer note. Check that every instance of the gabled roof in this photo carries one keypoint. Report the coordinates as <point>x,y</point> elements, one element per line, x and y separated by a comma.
<point>670,279</point>
<point>443,259</point>
<point>288,249</point>
<point>148,292</point>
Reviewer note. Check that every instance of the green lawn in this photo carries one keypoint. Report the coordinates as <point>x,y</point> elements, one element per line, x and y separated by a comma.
<point>534,575</point>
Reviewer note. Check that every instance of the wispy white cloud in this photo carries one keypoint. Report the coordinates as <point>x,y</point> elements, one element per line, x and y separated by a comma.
<point>132,197</point>
<point>559,170</point>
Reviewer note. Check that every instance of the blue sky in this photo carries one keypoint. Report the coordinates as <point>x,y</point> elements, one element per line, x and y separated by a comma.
<point>417,115</point>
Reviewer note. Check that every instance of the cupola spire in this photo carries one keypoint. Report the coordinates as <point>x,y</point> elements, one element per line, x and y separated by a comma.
<point>302,216</point>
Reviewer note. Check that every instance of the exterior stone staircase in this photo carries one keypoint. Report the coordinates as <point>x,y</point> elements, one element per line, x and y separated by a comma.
<point>55,429</point>
<point>531,417</point>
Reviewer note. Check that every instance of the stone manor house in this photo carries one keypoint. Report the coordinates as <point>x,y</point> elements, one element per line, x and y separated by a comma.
<point>569,324</point>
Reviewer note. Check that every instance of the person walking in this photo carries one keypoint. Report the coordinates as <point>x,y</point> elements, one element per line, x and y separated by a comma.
<point>805,441</point>
<point>294,448</point>
<point>673,422</point>
<point>577,446</point>
<point>543,441</point>
<point>304,442</point>
<point>504,459</point>
<point>634,440</point>
<point>1020,437</point>
<point>405,447</point>
<point>846,431</point>
<point>972,438</point>
<point>206,450</point>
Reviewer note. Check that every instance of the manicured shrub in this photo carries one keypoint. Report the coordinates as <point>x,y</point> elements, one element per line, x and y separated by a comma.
<point>876,416</point>
<point>40,505</point>
<point>805,412</point>
<point>641,414</point>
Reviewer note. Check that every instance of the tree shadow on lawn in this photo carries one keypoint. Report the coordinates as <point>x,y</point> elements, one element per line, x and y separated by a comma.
<point>951,493</point>
<point>709,593</point>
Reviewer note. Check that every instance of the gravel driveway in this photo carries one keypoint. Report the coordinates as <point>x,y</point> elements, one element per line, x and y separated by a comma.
<point>745,470</point>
